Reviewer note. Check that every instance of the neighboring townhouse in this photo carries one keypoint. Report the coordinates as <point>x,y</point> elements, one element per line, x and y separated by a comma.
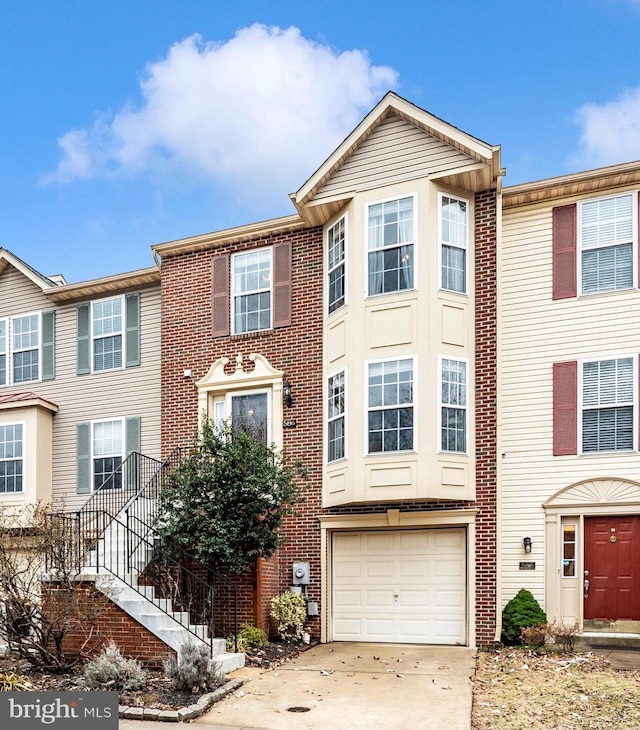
<point>569,412</point>
<point>361,332</point>
<point>79,380</point>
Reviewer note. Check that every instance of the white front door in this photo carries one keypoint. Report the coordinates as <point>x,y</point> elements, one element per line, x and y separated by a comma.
<point>406,586</point>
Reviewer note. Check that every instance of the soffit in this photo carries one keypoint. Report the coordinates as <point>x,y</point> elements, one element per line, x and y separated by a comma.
<point>106,286</point>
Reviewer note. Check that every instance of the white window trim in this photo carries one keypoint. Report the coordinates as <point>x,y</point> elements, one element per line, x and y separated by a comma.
<point>344,415</point>
<point>634,362</point>
<point>466,247</point>
<point>25,461</point>
<point>387,454</point>
<point>257,291</point>
<point>222,406</point>
<point>122,333</point>
<point>634,243</point>
<point>442,405</point>
<point>10,351</point>
<point>414,196</point>
<point>123,435</point>
<point>345,217</point>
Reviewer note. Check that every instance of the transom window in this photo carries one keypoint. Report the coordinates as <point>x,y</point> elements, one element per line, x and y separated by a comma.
<point>607,229</point>
<point>335,417</point>
<point>11,458</point>
<point>336,236</point>
<point>453,239</point>
<point>107,333</point>
<point>390,245</point>
<point>390,401</point>
<point>252,291</point>
<point>608,398</point>
<point>453,395</point>
<point>20,349</point>
<point>107,453</point>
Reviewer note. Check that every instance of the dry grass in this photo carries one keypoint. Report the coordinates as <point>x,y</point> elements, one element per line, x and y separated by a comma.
<point>518,689</point>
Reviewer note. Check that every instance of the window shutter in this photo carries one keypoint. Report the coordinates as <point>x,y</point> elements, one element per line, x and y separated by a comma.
<point>83,456</point>
<point>84,340</point>
<point>132,444</point>
<point>48,345</point>
<point>220,296</point>
<point>132,333</point>
<point>564,252</point>
<point>282,285</point>
<point>565,408</point>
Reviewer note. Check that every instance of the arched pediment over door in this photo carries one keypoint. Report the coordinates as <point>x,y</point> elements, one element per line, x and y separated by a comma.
<point>597,493</point>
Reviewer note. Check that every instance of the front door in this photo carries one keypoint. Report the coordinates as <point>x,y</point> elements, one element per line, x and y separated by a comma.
<point>612,568</point>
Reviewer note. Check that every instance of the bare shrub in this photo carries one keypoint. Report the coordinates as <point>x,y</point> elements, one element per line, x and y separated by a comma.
<point>534,635</point>
<point>564,635</point>
<point>193,668</point>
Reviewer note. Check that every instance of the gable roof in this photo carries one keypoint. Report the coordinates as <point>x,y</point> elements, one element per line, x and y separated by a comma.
<point>44,282</point>
<point>473,164</point>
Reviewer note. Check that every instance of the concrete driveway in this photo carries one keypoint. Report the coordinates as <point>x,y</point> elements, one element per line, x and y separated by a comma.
<point>354,686</point>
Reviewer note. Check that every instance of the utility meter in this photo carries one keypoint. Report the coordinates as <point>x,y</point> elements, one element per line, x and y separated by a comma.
<point>300,572</point>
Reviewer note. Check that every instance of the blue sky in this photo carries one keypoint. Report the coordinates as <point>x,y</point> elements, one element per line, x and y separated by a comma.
<point>132,122</point>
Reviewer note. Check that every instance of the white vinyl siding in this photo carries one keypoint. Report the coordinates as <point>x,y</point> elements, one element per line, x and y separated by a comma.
<point>390,393</point>
<point>608,397</point>
<point>390,237</point>
<point>336,434</point>
<point>11,458</point>
<point>454,225</point>
<point>453,405</point>
<point>606,235</point>
<point>251,287</point>
<point>336,250</point>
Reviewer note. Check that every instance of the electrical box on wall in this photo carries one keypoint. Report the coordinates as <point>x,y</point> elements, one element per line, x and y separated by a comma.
<point>300,574</point>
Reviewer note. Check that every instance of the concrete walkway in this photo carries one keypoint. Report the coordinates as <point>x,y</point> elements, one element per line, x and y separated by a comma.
<point>346,686</point>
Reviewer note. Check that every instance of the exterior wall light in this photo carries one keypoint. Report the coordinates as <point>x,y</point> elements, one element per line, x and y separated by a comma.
<point>286,394</point>
<point>527,544</point>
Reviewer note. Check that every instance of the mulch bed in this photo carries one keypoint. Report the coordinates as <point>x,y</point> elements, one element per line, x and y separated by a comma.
<point>158,692</point>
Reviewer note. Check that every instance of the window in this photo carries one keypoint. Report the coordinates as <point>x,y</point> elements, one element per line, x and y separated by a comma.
<point>252,291</point>
<point>568,551</point>
<point>453,241</point>
<point>27,348</point>
<point>107,453</point>
<point>11,464</point>
<point>335,262</point>
<point>106,333</point>
<point>390,399</point>
<point>608,397</point>
<point>390,246</point>
<point>335,417</point>
<point>607,232</point>
<point>453,409</point>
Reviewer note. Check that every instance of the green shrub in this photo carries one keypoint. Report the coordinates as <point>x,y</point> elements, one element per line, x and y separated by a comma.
<point>522,611</point>
<point>249,638</point>
<point>289,612</point>
<point>111,671</point>
<point>193,669</point>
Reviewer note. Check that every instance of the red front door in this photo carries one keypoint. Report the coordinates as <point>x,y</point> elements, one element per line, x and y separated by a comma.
<point>612,559</point>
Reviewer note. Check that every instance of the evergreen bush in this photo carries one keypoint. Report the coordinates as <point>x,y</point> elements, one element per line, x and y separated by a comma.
<point>520,612</point>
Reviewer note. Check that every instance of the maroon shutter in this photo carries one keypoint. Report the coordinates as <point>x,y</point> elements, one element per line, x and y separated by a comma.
<point>564,252</point>
<point>220,295</point>
<point>282,285</point>
<point>565,408</point>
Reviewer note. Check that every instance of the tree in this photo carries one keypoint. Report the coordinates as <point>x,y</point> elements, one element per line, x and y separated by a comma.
<point>226,501</point>
<point>42,598</point>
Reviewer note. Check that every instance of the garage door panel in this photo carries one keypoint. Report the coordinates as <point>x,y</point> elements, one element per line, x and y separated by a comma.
<point>410,586</point>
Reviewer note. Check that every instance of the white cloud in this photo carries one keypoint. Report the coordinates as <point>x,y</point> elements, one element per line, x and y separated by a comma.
<point>610,131</point>
<point>258,112</point>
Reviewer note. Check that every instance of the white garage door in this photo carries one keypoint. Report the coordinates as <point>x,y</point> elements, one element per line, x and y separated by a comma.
<point>405,586</point>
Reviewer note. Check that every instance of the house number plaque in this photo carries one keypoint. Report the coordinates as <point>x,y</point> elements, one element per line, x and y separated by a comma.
<point>289,423</point>
<point>527,566</point>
